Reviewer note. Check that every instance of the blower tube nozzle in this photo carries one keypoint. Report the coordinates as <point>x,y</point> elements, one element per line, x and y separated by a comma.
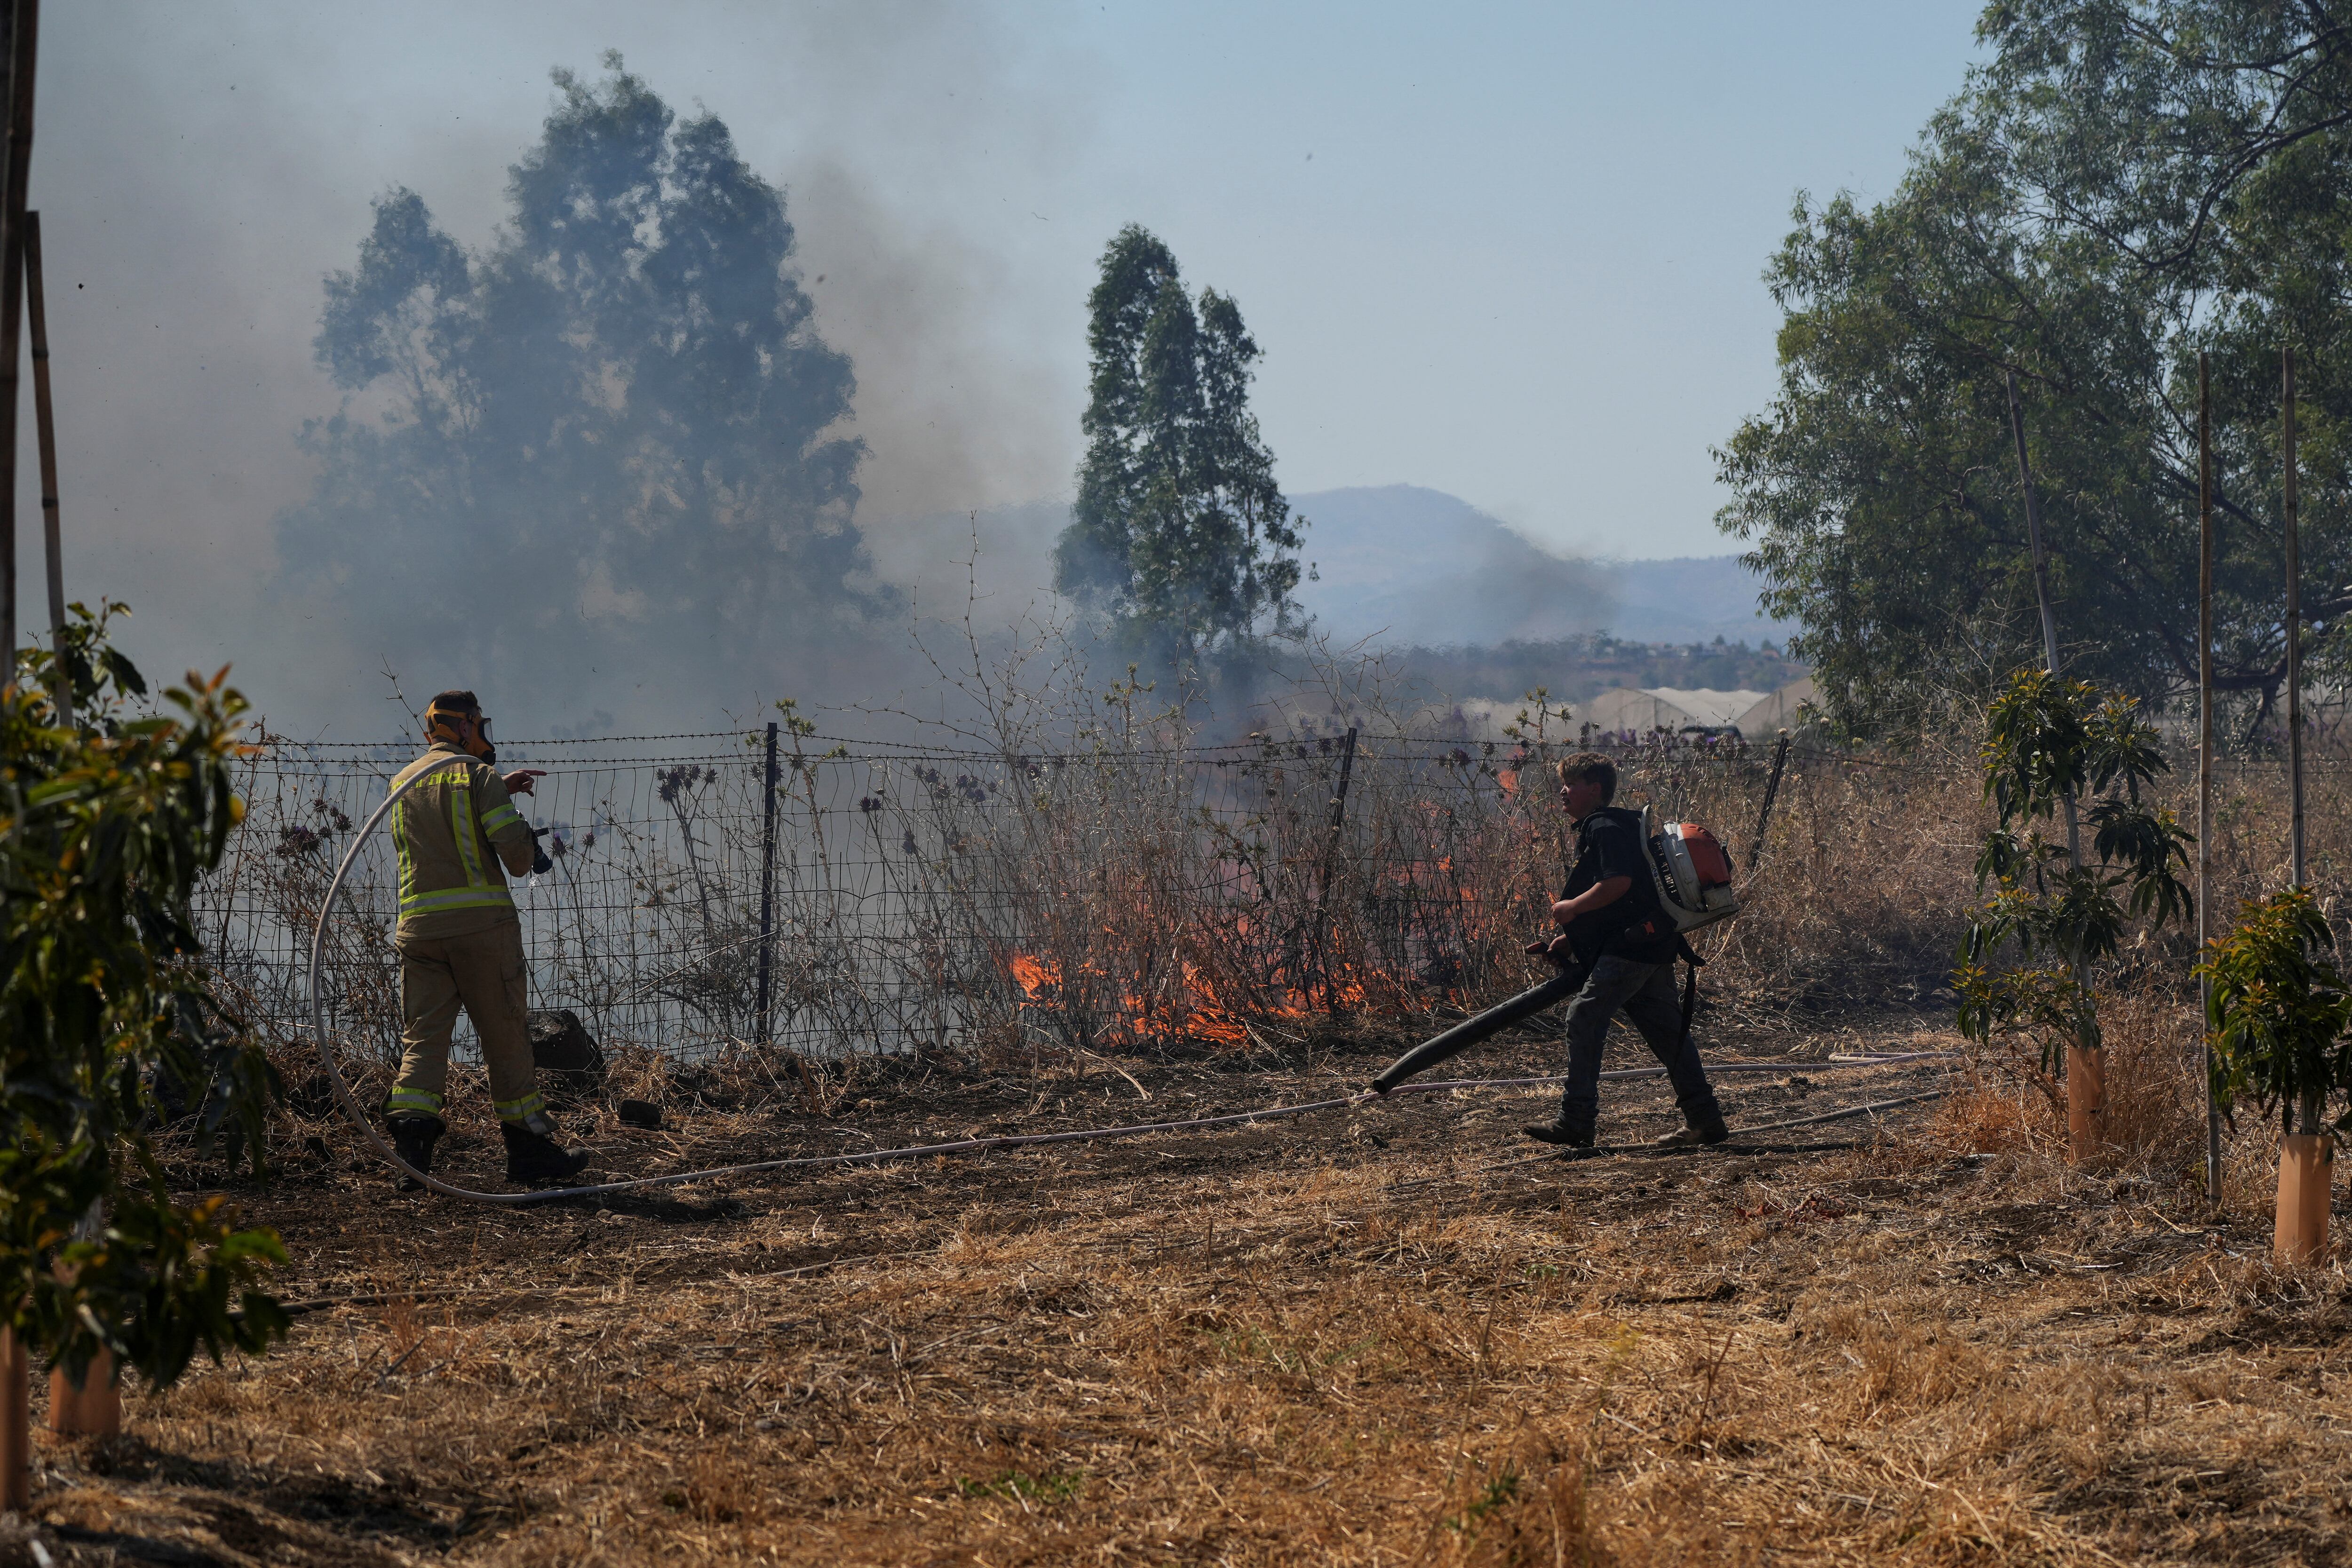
<point>1471,1030</point>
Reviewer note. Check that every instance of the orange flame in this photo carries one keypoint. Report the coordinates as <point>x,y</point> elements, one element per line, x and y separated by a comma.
<point>1194,1010</point>
<point>1034,976</point>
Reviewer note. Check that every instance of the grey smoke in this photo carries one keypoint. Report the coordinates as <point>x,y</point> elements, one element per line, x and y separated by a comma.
<point>201,169</point>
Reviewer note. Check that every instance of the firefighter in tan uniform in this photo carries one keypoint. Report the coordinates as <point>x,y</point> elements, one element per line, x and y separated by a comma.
<point>460,943</point>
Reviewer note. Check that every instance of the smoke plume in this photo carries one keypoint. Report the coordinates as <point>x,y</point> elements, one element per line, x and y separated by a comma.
<point>202,174</point>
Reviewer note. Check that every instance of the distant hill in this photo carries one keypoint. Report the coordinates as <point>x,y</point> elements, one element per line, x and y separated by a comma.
<point>1397,563</point>
<point>1419,567</point>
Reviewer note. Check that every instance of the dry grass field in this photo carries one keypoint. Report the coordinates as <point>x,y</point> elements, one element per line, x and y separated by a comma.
<point>1376,1336</point>
<point>1380,1335</point>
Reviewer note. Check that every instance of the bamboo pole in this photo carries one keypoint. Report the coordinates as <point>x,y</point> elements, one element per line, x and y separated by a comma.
<point>2294,622</point>
<point>2205,757</point>
<point>2307,1156</point>
<point>2033,530</point>
<point>45,425</point>
<point>9,9</point>
<point>19,25</point>
<point>2042,588</point>
<point>2087,1077</point>
<point>23,25</point>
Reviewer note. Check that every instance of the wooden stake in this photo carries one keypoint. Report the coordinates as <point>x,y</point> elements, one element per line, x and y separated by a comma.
<point>1772,791</point>
<point>2205,756</point>
<point>2293,623</point>
<point>45,427</point>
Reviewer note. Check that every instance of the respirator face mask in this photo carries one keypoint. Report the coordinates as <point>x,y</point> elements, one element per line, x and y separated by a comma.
<point>441,723</point>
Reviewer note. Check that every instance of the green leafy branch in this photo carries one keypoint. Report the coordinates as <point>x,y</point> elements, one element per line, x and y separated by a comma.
<point>105,829</point>
<point>2276,1011</point>
<point>2052,744</point>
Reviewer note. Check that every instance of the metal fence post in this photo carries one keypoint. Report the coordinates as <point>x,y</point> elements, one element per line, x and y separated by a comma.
<point>1771,792</point>
<point>767,885</point>
<point>1347,767</point>
<point>1330,858</point>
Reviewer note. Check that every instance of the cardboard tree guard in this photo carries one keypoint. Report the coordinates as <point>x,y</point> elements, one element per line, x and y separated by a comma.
<point>2307,1177</point>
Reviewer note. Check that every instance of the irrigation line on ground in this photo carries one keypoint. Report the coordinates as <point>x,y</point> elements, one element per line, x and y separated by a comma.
<point>1614,1075</point>
<point>1729,1147</point>
<point>439,1293</point>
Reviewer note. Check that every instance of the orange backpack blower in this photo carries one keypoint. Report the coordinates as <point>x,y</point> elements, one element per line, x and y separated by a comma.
<point>1693,874</point>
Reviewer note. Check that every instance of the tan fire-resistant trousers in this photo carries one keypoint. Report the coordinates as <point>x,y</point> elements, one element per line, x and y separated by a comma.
<point>485,973</point>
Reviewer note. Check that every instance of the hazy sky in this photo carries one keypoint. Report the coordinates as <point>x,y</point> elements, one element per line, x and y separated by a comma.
<point>1510,252</point>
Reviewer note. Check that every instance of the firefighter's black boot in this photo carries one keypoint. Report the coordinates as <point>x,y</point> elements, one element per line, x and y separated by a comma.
<point>534,1156</point>
<point>413,1138</point>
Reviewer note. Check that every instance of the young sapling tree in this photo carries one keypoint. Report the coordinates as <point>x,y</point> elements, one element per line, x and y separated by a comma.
<point>105,827</point>
<point>2276,1011</point>
<point>2051,915</point>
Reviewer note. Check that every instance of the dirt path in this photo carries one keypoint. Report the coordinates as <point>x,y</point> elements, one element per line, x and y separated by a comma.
<point>1337,1340</point>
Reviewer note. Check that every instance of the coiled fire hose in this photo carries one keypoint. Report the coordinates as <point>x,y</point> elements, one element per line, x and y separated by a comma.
<point>351,1108</point>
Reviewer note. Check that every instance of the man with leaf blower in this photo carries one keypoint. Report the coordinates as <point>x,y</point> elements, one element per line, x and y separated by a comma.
<point>1612,930</point>
<point>460,943</point>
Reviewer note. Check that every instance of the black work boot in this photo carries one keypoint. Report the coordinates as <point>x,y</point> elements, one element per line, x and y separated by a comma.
<point>534,1154</point>
<point>1706,1127</point>
<point>413,1137</point>
<point>1564,1133</point>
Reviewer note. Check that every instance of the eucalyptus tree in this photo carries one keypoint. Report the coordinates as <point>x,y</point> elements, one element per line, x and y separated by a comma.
<point>2119,186</point>
<point>1179,532</point>
<point>610,440</point>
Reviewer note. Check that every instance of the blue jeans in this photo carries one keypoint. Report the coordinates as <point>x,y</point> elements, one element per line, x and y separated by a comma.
<point>1647,992</point>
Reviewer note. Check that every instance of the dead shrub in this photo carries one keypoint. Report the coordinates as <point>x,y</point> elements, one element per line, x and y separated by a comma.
<point>2156,1110</point>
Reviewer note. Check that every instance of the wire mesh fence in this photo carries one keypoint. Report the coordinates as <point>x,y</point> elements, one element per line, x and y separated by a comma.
<point>858,898</point>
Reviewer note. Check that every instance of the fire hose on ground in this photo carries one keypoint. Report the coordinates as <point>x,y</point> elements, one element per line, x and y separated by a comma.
<point>1468,1032</point>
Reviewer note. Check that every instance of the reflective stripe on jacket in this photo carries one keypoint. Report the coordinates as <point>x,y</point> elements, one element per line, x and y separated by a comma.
<point>452,833</point>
